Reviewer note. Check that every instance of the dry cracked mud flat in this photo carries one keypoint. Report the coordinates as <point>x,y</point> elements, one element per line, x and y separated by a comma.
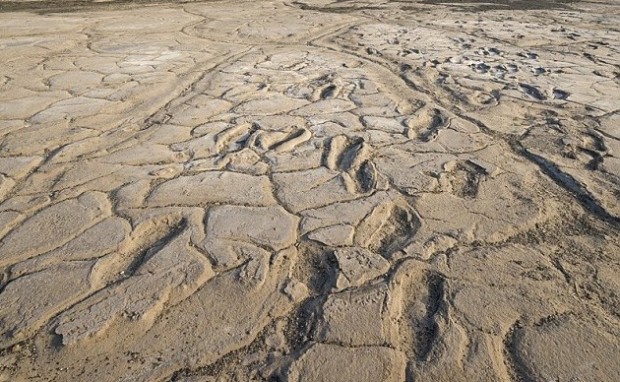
<point>310,191</point>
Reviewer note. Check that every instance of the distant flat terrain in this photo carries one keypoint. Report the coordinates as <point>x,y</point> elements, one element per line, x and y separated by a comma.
<point>47,6</point>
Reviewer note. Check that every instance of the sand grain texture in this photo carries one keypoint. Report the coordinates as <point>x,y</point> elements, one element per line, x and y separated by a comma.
<point>309,191</point>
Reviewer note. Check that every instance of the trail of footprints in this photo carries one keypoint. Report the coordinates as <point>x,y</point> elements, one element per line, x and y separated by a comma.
<point>174,228</point>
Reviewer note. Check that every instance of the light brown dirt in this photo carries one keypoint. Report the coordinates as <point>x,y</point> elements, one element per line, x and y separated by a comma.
<point>310,191</point>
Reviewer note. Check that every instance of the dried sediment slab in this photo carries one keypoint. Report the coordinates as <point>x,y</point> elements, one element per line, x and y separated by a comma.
<point>168,276</point>
<point>312,190</point>
<point>580,349</point>
<point>357,266</point>
<point>24,313</point>
<point>268,226</point>
<point>99,240</point>
<point>54,225</point>
<point>360,317</point>
<point>213,187</point>
<point>335,363</point>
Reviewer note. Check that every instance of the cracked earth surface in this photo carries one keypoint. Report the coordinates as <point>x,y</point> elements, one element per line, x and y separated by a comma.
<point>310,191</point>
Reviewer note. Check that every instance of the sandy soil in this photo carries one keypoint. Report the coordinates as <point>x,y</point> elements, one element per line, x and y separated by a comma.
<point>310,191</point>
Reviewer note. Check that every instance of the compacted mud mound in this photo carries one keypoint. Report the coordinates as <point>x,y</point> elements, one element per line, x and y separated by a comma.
<point>310,191</point>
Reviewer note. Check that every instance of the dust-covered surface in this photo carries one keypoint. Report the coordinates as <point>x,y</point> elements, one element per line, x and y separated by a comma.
<point>310,191</point>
